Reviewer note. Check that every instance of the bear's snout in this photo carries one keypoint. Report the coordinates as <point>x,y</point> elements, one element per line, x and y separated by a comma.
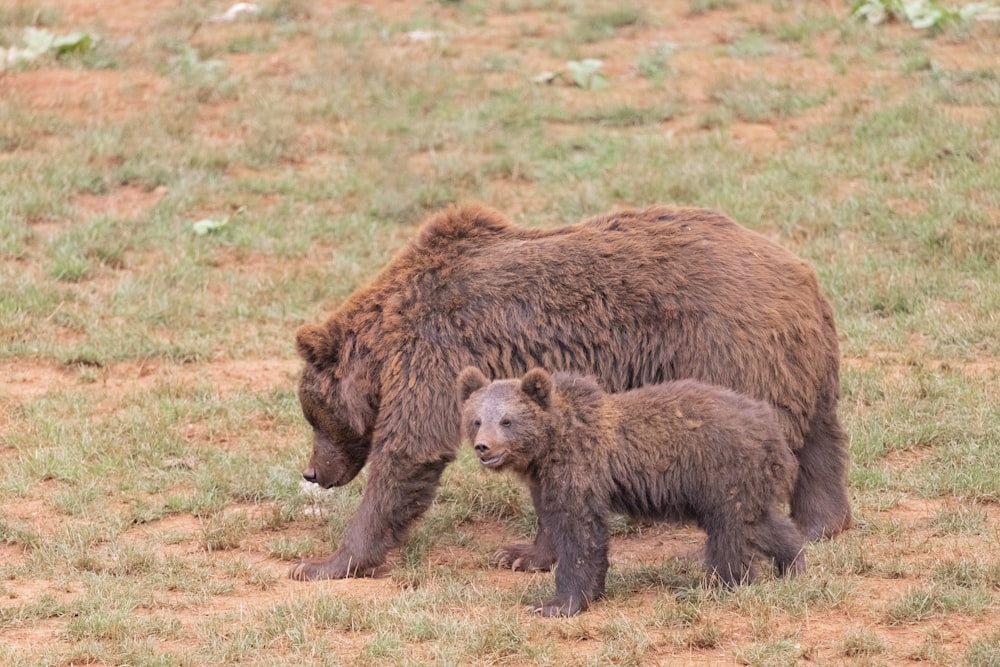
<point>489,458</point>
<point>309,474</point>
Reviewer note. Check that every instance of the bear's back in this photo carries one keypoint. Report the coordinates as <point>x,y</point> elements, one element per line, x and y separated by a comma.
<point>469,268</point>
<point>657,251</point>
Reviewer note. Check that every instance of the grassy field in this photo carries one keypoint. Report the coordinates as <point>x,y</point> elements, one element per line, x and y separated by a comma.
<point>179,193</point>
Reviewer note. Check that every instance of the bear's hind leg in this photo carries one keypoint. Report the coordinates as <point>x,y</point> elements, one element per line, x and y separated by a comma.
<point>779,538</point>
<point>820,505</point>
<point>728,552</point>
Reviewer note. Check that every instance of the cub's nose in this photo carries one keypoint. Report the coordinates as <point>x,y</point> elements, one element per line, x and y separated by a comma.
<point>482,448</point>
<point>309,474</point>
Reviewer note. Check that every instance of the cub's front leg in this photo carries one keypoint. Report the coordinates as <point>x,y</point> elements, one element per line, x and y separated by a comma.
<point>538,556</point>
<point>582,548</point>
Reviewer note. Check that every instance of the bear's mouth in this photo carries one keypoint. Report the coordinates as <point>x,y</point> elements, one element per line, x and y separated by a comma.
<point>493,461</point>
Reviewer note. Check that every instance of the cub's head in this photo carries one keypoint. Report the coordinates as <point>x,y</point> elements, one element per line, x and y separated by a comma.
<point>339,400</point>
<point>506,421</point>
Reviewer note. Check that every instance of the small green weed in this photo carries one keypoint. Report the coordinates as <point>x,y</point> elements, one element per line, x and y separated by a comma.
<point>861,643</point>
<point>922,603</point>
<point>921,14</point>
<point>771,654</point>
<point>960,520</point>
<point>654,62</point>
<point>759,100</point>
<point>602,25</point>
<point>751,44</point>
<point>704,637</point>
<point>704,6</point>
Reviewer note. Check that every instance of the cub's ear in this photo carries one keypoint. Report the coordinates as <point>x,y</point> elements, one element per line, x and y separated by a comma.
<point>319,345</point>
<point>470,380</point>
<point>537,384</point>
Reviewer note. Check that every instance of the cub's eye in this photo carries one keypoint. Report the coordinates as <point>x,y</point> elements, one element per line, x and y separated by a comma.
<point>505,422</point>
<point>477,423</point>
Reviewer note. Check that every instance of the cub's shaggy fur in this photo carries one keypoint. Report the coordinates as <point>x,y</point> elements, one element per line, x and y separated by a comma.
<point>677,450</point>
<point>631,297</point>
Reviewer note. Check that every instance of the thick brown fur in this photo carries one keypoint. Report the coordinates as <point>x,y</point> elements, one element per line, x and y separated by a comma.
<point>632,297</point>
<point>678,450</point>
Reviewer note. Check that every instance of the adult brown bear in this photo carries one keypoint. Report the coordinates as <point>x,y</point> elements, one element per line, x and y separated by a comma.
<point>632,297</point>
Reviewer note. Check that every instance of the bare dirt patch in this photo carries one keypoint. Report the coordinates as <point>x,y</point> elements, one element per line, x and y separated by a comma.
<point>122,17</point>
<point>24,639</point>
<point>102,93</point>
<point>27,380</point>
<point>125,202</point>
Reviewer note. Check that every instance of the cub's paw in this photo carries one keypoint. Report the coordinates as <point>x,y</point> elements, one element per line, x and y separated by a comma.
<point>795,568</point>
<point>524,558</point>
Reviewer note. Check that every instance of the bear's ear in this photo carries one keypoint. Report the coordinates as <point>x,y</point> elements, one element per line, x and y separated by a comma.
<point>470,380</point>
<point>319,345</point>
<point>537,384</point>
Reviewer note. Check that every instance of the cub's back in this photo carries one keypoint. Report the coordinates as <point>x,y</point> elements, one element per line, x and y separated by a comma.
<point>688,415</point>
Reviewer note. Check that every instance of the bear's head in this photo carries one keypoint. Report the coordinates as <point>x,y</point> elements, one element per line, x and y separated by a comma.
<point>506,421</point>
<point>339,400</point>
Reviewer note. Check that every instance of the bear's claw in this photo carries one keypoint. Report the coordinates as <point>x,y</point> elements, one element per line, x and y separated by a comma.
<point>523,558</point>
<point>314,569</point>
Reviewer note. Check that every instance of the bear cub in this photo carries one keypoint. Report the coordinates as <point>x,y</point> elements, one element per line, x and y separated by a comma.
<point>673,451</point>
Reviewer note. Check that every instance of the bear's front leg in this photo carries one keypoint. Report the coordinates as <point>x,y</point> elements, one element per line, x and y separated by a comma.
<point>394,498</point>
<point>581,539</point>
<point>540,555</point>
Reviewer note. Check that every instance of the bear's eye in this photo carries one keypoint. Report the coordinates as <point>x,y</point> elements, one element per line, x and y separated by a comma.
<point>477,423</point>
<point>505,422</point>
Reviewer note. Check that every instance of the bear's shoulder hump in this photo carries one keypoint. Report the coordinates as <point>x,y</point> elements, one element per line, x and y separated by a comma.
<point>467,221</point>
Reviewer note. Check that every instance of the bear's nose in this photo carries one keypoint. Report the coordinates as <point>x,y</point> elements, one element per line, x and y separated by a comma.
<point>482,448</point>
<point>309,474</point>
